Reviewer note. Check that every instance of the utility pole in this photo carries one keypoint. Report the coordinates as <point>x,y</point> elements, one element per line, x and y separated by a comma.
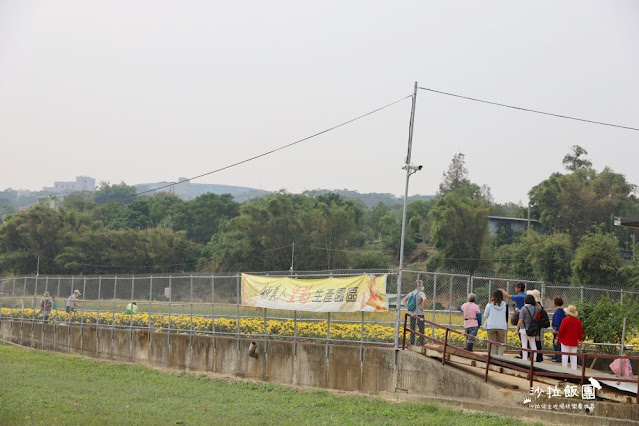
<point>410,169</point>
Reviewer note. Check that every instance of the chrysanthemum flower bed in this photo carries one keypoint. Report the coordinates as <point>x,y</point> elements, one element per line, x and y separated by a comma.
<point>252,326</point>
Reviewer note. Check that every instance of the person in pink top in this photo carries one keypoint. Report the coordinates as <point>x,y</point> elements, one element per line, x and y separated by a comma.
<point>472,320</point>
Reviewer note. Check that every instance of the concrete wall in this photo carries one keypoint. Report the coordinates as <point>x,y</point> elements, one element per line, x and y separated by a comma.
<point>345,368</point>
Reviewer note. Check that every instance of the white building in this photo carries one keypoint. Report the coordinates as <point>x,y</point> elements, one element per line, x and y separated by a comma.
<point>82,183</point>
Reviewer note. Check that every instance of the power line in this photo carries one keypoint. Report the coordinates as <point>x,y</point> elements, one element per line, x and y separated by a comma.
<point>274,150</point>
<point>529,110</point>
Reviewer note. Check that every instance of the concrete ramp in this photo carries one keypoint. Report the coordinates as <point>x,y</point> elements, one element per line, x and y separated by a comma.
<point>611,379</point>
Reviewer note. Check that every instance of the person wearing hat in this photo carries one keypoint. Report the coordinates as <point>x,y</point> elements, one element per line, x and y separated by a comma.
<point>571,332</point>
<point>539,339</point>
<point>72,301</point>
<point>45,306</point>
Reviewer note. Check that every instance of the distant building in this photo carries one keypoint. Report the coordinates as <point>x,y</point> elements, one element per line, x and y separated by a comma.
<point>514,224</point>
<point>185,190</point>
<point>82,183</point>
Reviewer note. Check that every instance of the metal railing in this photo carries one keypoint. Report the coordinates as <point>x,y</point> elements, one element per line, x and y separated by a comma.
<point>446,344</point>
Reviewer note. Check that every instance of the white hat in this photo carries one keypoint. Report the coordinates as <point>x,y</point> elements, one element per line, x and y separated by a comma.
<point>536,294</point>
<point>78,291</point>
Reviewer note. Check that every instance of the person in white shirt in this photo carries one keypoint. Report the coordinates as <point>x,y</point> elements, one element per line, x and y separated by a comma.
<point>72,301</point>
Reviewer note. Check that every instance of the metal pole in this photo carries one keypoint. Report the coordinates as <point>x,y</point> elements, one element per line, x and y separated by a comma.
<point>403,237</point>
<point>432,327</point>
<point>35,299</point>
<point>56,305</point>
<point>213,303</point>
<point>150,307</point>
<point>450,303</point>
<point>292,258</point>
<point>84,293</point>
<point>237,287</point>
<point>191,302</point>
<point>24,292</point>
<point>97,320</point>
<point>131,302</point>
<point>328,331</point>
<point>115,287</point>
<point>170,299</point>
<point>623,341</point>
<point>13,299</point>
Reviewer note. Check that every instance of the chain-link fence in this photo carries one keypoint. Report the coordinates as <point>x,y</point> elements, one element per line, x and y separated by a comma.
<point>211,304</point>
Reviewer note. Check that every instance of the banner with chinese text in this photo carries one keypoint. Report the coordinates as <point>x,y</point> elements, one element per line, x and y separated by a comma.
<point>347,294</point>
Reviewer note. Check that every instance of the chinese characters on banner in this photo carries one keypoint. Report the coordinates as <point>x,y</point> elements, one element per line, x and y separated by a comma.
<point>348,294</point>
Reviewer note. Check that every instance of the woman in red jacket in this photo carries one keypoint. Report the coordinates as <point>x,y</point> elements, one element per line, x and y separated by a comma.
<point>570,333</point>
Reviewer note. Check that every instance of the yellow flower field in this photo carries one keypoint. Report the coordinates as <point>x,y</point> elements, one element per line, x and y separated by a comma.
<point>250,326</point>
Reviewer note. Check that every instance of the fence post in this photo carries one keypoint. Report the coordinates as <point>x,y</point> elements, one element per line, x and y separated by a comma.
<point>55,322</point>
<point>97,320</point>
<point>543,292</point>
<point>84,293</point>
<point>432,327</point>
<point>621,296</point>
<point>328,331</point>
<point>148,318</point>
<point>582,295</point>
<point>115,290</point>
<point>467,284</point>
<point>170,300</point>
<point>213,307</point>
<point>13,299</point>
<point>361,341</point>
<point>24,292</point>
<point>295,334</point>
<point>450,303</point>
<point>131,302</point>
<point>237,279</point>
<point>191,302</point>
<point>35,295</point>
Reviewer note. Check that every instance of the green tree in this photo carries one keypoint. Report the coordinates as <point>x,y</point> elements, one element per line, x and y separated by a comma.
<point>572,161</point>
<point>456,176</point>
<point>201,217</point>
<point>120,193</point>
<point>551,257</point>
<point>459,227</point>
<point>597,260</point>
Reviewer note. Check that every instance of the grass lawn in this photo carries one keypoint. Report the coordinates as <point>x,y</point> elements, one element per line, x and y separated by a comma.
<point>40,387</point>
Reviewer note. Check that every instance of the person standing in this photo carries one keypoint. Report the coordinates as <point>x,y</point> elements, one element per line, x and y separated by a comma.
<point>472,320</point>
<point>570,333</point>
<point>539,338</point>
<point>496,324</point>
<point>45,306</point>
<point>518,303</point>
<point>528,314</point>
<point>557,317</point>
<point>417,314</point>
<point>72,301</point>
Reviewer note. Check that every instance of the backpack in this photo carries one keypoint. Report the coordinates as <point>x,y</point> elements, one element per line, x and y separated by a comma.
<point>533,328</point>
<point>544,321</point>
<point>411,303</point>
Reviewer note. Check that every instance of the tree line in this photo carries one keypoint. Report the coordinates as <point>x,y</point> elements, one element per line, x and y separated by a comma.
<point>114,231</point>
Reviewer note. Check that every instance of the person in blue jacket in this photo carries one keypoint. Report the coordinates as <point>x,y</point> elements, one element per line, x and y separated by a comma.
<point>557,317</point>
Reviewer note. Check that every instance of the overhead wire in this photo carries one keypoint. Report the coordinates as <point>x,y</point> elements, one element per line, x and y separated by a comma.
<point>273,150</point>
<point>528,109</point>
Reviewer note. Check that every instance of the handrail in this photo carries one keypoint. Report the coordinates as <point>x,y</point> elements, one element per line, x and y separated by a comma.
<point>532,352</point>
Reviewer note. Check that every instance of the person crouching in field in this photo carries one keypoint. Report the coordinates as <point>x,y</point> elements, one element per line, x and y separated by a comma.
<point>131,308</point>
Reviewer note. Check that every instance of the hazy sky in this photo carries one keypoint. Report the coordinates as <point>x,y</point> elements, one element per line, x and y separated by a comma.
<point>144,91</point>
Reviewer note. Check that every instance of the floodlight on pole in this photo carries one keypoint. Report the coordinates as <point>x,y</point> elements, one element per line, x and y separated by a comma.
<point>410,170</point>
